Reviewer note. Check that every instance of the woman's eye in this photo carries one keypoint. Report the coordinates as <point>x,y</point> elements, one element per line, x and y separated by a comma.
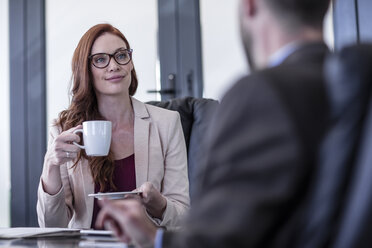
<point>100,60</point>
<point>121,56</point>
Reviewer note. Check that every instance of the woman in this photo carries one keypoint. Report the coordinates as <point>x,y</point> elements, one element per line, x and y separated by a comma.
<point>147,150</point>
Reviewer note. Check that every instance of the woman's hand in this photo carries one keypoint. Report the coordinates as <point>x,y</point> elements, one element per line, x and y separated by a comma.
<point>62,150</point>
<point>152,199</point>
<point>59,152</point>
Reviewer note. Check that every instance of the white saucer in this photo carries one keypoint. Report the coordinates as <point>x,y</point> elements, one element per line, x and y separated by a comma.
<point>113,195</point>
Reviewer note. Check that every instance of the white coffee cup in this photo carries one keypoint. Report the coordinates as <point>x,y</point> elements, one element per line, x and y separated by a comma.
<point>96,137</point>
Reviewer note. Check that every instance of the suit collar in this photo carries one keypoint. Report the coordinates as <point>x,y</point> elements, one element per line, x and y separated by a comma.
<point>282,54</point>
<point>310,52</point>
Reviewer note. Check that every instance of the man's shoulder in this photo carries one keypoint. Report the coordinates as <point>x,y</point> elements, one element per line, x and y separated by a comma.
<point>299,89</point>
<point>287,78</point>
<point>250,93</point>
<point>253,83</point>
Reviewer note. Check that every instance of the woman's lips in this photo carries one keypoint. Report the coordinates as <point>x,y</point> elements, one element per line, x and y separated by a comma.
<point>115,78</point>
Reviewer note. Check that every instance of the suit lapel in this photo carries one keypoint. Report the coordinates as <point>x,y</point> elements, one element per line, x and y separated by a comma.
<point>141,141</point>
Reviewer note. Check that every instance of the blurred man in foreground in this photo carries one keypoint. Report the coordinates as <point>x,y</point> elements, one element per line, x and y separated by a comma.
<point>262,146</point>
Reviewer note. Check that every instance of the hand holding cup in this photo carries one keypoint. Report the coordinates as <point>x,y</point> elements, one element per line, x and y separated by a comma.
<point>62,150</point>
<point>65,148</point>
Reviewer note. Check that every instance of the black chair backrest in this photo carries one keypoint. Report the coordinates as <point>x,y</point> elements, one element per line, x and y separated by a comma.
<point>195,115</point>
<point>340,205</point>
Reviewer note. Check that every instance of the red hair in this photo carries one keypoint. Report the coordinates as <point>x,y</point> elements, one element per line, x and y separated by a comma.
<point>84,105</point>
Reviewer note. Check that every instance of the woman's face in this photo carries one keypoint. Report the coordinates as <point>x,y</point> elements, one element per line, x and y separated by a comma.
<point>114,79</point>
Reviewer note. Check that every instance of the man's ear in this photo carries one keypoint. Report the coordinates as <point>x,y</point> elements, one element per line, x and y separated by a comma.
<point>249,7</point>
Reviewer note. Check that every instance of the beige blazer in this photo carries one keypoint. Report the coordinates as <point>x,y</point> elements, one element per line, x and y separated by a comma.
<point>160,158</point>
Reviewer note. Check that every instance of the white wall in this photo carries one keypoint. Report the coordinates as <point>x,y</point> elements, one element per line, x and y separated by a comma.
<point>68,20</point>
<point>223,55</point>
<point>5,119</point>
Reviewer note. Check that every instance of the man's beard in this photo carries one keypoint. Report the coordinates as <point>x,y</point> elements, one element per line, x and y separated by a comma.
<point>247,45</point>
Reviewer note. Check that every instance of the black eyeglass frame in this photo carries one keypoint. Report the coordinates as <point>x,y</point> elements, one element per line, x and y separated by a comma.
<point>130,51</point>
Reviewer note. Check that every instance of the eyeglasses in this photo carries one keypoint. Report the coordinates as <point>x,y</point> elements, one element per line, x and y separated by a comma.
<point>102,60</point>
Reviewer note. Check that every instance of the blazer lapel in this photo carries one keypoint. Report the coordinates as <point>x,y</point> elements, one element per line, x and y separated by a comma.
<point>141,141</point>
<point>88,188</point>
<point>83,186</point>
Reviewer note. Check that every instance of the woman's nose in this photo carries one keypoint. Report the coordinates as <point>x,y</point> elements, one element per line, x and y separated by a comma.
<point>113,65</point>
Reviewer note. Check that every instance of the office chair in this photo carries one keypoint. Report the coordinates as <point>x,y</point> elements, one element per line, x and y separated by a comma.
<point>195,114</point>
<point>340,205</point>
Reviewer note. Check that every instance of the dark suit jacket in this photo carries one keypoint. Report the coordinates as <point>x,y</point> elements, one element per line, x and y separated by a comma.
<point>260,158</point>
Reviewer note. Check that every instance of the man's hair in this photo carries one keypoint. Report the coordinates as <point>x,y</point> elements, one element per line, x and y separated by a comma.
<point>300,12</point>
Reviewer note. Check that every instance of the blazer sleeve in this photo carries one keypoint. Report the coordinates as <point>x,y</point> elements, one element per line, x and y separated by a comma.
<point>55,210</point>
<point>251,176</point>
<point>175,185</point>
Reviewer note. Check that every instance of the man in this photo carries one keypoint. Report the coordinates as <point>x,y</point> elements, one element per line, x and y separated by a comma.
<point>262,148</point>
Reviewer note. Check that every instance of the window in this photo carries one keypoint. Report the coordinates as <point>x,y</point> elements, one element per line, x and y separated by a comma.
<point>4,113</point>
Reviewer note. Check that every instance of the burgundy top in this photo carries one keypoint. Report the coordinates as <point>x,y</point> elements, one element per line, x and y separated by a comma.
<point>124,179</point>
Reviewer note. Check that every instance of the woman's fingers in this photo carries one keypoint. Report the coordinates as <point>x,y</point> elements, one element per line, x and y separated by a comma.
<point>153,200</point>
<point>69,135</point>
<point>146,189</point>
<point>59,152</point>
<point>133,196</point>
<point>63,149</point>
<point>74,128</point>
